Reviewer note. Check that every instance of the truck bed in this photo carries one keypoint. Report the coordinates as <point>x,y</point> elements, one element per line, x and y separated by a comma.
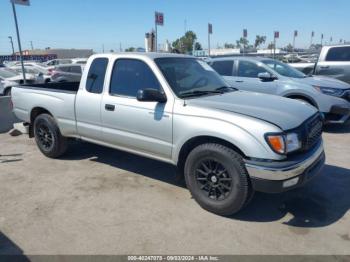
<point>55,87</point>
<point>58,99</point>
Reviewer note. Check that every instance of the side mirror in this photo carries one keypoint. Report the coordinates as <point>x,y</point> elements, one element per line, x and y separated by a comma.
<point>151,95</point>
<point>266,77</point>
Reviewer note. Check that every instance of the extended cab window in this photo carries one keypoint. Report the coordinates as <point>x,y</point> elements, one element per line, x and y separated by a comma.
<point>224,68</point>
<point>96,75</point>
<point>249,69</point>
<point>130,76</point>
<point>338,54</point>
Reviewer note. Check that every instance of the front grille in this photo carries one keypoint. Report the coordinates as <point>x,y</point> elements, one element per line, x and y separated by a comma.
<point>313,132</point>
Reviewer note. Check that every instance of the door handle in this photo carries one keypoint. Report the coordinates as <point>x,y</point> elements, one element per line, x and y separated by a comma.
<point>239,81</point>
<point>110,107</point>
<point>324,67</point>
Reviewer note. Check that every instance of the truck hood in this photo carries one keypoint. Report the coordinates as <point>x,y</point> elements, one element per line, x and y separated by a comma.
<point>282,112</point>
<point>323,81</point>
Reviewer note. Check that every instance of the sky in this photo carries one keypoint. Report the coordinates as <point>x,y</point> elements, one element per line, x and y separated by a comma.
<point>94,23</point>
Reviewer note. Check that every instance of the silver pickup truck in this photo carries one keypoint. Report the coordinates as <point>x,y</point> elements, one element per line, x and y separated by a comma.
<point>333,61</point>
<point>176,109</point>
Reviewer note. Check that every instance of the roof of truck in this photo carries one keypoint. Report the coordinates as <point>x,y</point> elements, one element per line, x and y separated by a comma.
<point>151,55</point>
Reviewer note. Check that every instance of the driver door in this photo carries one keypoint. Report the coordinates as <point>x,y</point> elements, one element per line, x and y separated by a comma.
<point>143,127</point>
<point>247,78</point>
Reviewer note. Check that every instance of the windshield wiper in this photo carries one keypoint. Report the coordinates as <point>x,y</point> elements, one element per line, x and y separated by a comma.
<point>200,93</point>
<point>226,89</point>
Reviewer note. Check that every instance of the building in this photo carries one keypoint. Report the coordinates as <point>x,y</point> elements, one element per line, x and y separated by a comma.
<point>60,52</point>
<point>217,52</point>
<point>270,51</point>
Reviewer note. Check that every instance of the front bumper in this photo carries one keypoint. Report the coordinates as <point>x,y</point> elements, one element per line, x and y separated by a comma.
<point>338,114</point>
<point>275,177</point>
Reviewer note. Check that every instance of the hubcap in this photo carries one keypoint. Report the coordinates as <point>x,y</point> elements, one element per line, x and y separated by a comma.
<point>213,179</point>
<point>45,137</point>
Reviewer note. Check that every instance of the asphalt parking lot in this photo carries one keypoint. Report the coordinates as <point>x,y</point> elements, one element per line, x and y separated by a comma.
<point>97,200</point>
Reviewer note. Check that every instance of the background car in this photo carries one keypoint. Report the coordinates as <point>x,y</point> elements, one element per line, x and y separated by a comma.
<point>10,78</point>
<point>42,75</point>
<point>333,61</point>
<point>55,62</point>
<point>265,75</point>
<point>67,73</point>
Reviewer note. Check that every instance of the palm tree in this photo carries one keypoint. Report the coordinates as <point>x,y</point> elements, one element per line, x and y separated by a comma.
<point>259,40</point>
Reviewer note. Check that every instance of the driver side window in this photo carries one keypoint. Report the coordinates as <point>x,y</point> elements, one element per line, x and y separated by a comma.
<point>130,76</point>
<point>249,69</point>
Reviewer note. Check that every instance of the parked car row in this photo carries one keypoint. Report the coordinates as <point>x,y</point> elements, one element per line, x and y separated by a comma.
<point>58,70</point>
<point>226,142</point>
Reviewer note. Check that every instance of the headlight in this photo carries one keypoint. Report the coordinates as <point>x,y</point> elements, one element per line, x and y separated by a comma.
<point>292,142</point>
<point>330,91</point>
<point>283,143</point>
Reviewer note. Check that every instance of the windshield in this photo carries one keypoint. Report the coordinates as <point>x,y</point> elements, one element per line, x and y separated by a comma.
<point>283,69</point>
<point>191,76</point>
<point>7,73</point>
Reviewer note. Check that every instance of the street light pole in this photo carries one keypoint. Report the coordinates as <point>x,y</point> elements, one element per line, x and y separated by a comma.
<point>19,42</point>
<point>13,49</point>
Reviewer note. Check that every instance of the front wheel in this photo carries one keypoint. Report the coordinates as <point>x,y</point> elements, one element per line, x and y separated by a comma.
<point>217,179</point>
<point>48,136</point>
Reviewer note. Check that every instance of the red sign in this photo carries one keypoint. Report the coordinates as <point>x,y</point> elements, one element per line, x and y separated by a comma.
<point>210,28</point>
<point>21,2</point>
<point>277,34</point>
<point>245,33</point>
<point>159,18</point>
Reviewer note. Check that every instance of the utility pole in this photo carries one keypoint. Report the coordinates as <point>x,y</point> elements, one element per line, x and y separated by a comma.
<point>210,31</point>
<point>19,42</point>
<point>13,49</point>
<point>245,35</point>
<point>185,26</point>
<point>120,47</point>
<point>294,36</point>
<point>103,48</point>
<point>31,44</point>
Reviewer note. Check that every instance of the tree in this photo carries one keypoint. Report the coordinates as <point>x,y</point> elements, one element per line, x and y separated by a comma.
<point>198,46</point>
<point>130,49</point>
<point>316,47</point>
<point>185,43</point>
<point>242,42</point>
<point>271,46</point>
<point>227,45</point>
<point>289,48</point>
<point>259,40</point>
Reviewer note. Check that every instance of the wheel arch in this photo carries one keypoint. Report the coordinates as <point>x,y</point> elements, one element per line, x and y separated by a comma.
<point>35,112</point>
<point>302,96</point>
<point>193,142</point>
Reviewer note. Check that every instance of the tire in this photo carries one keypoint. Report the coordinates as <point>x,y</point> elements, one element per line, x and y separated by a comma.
<point>217,179</point>
<point>8,92</point>
<point>48,136</point>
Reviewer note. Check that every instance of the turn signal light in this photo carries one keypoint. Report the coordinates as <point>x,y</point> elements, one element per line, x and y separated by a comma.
<point>277,143</point>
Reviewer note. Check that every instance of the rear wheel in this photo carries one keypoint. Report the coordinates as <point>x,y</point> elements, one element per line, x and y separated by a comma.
<point>48,136</point>
<point>217,179</point>
<point>8,92</point>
